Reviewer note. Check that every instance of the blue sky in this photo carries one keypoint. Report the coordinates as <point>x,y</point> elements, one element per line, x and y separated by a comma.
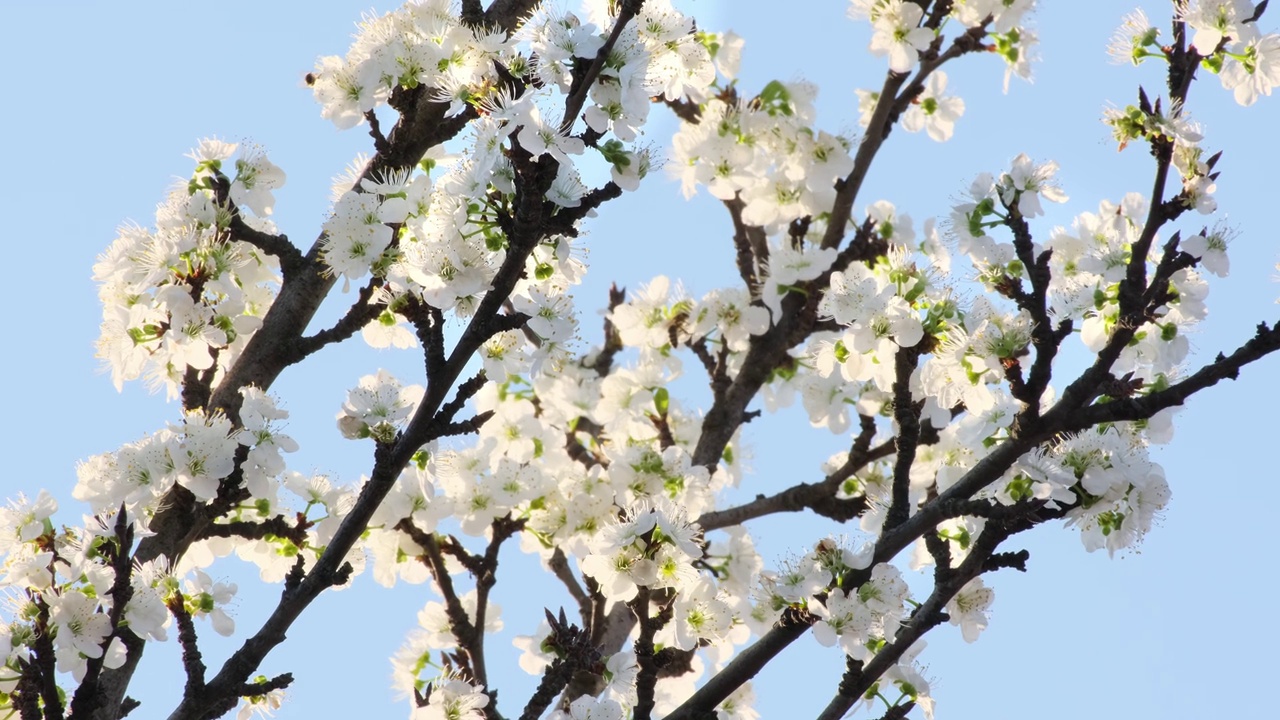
<point>104,100</point>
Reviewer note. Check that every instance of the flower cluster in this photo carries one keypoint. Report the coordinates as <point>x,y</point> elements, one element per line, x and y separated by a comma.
<point>863,619</point>
<point>932,111</point>
<point>1121,490</point>
<point>378,407</point>
<point>592,460</point>
<point>647,547</point>
<point>764,152</point>
<point>900,32</point>
<point>441,240</point>
<point>1224,33</point>
<point>453,699</point>
<point>187,296</point>
<point>62,585</point>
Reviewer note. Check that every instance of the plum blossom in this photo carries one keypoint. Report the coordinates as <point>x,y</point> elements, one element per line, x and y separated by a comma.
<point>699,615</point>
<point>896,33</point>
<point>968,608</point>
<point>589,708</point>
<point>1211,250</point>
<point>1253,69</point>
<point>844,619</point>
<point>541,137</point>
<point>1026,182</point>
<point>933,112</point>
<point>22,520</point>
<point>595,455</point>
<point>790,266</point>
<point>206,598</point>
<point>256,177</point>
<point>1130,42</point>
<point>378,407</point>
<point>1217,20</point>
<point>356,235</point>
<point>644,319</point>
<point>202,452</point>
<point>453,699</point>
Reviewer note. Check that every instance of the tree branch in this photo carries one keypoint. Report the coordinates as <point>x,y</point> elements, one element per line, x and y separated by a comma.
<point>559,566</point>
<point>86,698</point>
<point>1266,340</point>
<point>192,662</point>
<point>929,615</point>
<point>361,313</point>
<point>578,93</point>
<point>906,414</point>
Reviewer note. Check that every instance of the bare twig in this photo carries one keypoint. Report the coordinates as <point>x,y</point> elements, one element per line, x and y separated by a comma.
<point>559,565</point>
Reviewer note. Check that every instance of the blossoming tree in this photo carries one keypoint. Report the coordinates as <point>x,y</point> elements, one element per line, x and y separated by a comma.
<point>934,351</point>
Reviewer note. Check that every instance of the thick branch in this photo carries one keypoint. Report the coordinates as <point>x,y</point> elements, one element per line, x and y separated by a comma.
<point>906,415</point>
<point>751,246</point>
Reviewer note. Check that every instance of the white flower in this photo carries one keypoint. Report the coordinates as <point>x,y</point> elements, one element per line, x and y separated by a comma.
<point>434,619</point>
<point>81,628</point>
<point>796,582</point>
<point>535,659</point>
<point>1135,34</point>
<point>453,699</point>
<point>738,706</point>
<point>932,112</point>
<point>1253,69</point>
<point>844,619</point>
<point>378,407</point>
<point>540,137</point>
<point>729,311</point>
<point>897,35</point>
<point>1215,21</point>
<point>346,91</point>
<point>1211,250</point>
<point>388,330</point>
<point>728,53</point>
<point>1026,182</point>
<point>23,521</point>
<point>256,177</point>
<point>968,608</point>
<point>211,150</point>
<point>789,266</point>
<point>643,320</point>
<point>906,678</point>
<point>698,615</point>
<point>202,452</point>
<point>356,235</point>
<point>261,705</point>
<point>205,598</point>
<point>620,572</point>
<point>886,591</point>
<point>621,670</point>
<point>589,708</point>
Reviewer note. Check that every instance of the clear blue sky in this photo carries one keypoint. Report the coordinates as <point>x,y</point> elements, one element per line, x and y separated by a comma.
<point>102,100</point>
